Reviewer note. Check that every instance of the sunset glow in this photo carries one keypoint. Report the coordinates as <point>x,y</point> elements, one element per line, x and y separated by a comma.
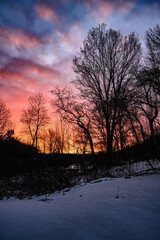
<point>38,40</point>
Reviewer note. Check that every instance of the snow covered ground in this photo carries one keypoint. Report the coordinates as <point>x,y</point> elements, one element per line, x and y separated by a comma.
<point>133,168</point>
<point>87,212</point>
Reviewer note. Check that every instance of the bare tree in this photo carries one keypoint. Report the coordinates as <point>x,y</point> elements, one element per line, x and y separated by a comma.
<point>35,117</point>
<point>81,141</point>
<point>152,68</point>
<point>72,111</point>
<point>148,103</point>
<point>105,70</point>
<point>53,141</point>
<point>149,77</point>
<point>58,137</point>
<point>147,88</point>
<point>5,118</point>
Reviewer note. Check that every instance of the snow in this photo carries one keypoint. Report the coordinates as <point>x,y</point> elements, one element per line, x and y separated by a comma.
<point>87,212</point>
<point>133,168</point>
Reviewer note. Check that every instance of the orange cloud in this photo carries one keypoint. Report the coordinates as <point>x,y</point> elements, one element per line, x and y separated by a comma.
<point>18,38</point>
<point>47,13</point>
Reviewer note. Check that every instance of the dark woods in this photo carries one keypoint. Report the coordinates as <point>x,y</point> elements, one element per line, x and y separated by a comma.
<point>118,98</point>
<point>113,115</point>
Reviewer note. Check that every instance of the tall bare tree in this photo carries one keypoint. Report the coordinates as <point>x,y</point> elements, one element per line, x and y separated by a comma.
<point>5,118</point>
<point>152,68</point>
<point>81,140</point>
<point>148,85</point>
<point>54,141</point>
<point>148,79</point>
<point>148,103</point>
<point>105,71</point>
<point>73,111</point>
<point>58,137</point>
<point>35,117</point>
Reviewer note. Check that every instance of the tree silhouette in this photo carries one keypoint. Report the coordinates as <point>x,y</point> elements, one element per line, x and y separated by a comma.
<point>152,68</point>
<point>73,111</point>
<point>5,116</point>
<point>57,137</point>
<point>105,70</point>
<point>148,84</point>
<point>35,117</point>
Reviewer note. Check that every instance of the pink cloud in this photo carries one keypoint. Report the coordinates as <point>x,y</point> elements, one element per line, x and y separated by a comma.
<point>47,13</point>
<point>71,40</point>
<point>101,9</point>
<point>18,38</point>
<point>126,7</point>
<point>19,79</point>
<point>22,78</point>
<point>31,70</point>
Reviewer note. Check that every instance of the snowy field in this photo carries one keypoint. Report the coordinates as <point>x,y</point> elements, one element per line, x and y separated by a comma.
<point>87,212</point>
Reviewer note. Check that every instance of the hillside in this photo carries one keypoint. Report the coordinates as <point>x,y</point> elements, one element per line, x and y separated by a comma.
<point>113,209</point>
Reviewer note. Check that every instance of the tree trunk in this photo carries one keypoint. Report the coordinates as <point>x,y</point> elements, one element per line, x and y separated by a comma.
<point>81,125</point>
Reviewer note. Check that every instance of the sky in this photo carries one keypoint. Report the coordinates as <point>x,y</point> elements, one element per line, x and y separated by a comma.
<point>39,39</point>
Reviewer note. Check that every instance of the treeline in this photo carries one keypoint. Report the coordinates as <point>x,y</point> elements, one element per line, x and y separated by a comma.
<point>15,157</point>
<point>118,84</point>
<point>116,102</point>
<point>112,107</point>
<point>24,172</point>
